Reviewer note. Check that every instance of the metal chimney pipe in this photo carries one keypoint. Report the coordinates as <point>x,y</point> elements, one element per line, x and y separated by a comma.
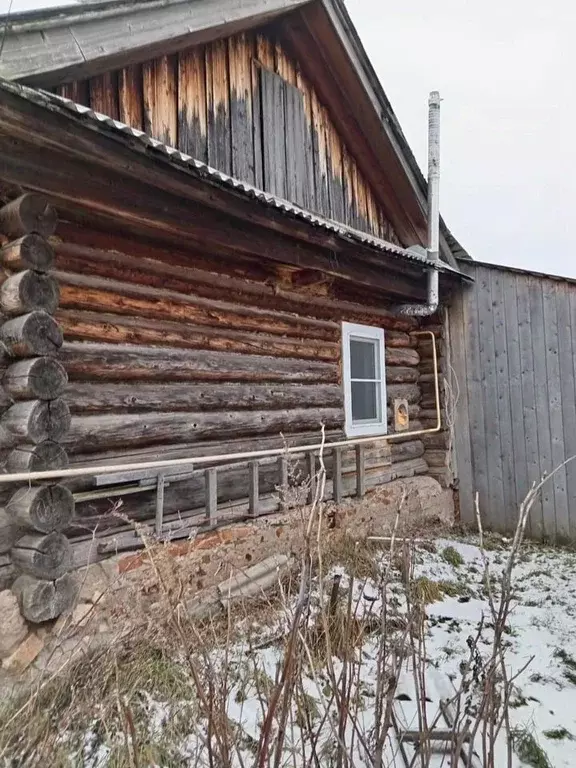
<point>433,248</point>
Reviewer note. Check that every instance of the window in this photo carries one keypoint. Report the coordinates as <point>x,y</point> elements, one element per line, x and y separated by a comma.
<point>364,380</point>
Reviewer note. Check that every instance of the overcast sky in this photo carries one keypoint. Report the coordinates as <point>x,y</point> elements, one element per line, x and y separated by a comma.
<point>505,70</point>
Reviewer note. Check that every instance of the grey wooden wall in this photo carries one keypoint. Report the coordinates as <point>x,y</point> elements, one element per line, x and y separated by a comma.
<point>513,353</point>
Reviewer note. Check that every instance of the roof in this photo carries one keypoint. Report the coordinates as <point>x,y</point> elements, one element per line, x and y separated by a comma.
<point>102,123</point>
<point>52,45</point>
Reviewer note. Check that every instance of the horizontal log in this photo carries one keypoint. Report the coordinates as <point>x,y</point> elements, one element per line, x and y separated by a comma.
<point>113,362</point>
<point>132,261</point>
<point>105,431</point>
<point>28,213</point>
<point>412,449</point>
<point>43,508</point>
<point>27,291</point>
<point>409,392</point>
<point>401,356</point>
<point>41,600</point>
<point>400,375</point>
<point>37,458</point>
<point>100,295</point>
<point>88,397</point>
<point>34,421</point>
<point>400,339</point>
<point>28,252</point>
<point>118,329</point>
<point>409,468</point>
<point>9,531</point>
<point>36,333</point>
<point>437,458</point>
<point>46,556</point>
<point>42,378</point>
<point>438,440</point>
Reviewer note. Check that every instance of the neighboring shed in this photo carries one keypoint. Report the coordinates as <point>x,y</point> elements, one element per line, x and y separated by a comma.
<point>235,205</point>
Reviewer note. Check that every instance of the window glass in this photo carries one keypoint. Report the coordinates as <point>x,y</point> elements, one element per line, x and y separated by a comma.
<point>365,401</point>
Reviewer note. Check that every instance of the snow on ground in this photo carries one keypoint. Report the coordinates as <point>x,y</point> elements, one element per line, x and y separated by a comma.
<point>541,634</point>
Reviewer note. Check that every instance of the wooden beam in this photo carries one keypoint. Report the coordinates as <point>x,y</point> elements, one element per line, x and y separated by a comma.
<point>43,508</point>
<point>42,600</point>
<point>28,213</point>
<point>46,556</point>
<point>91,42</point>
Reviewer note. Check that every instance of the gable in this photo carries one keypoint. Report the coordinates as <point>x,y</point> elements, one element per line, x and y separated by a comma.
<point>243,106</point>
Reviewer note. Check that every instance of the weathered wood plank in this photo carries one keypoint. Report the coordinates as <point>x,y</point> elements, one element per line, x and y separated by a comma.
<point>295,139</point>
<point>241,113</point>
<point>104,94</point>
<point>88,397</point>
<point>106,431</point>
<point>218,106</point>
<point>459,329</point>
<point>159,85</point>
<point>274,133</point>
<point>253,488</point>
<point>309,191</point>
<point>529,399</point>
<point>514,385</point>
<point>337,475</point>
<point>558,523</point>
<point>566,325</point>
<point>211,483</point>
<point>77,91</point>
<point>499,288</point>
<point>130,96</point>
<point>335,170</point>
<point>117,362</point>
<point>537,328</point>
<point>192,116</point>
<point>569,396</point>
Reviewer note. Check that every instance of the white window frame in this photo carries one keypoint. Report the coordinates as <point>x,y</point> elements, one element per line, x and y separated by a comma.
<point>363,428</point>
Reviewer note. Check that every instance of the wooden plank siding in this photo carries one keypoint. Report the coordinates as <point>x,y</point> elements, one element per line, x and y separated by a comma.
<point>173,353</point>
<point>513,350</point>
<point>242,105</point>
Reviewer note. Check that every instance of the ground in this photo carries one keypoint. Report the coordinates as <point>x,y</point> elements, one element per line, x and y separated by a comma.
<point>401,627</point>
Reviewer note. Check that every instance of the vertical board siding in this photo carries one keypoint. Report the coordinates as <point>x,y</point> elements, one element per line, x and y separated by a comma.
<point>514,358</point>
<point>242,105</point>
<point>192,120</point>
<point>160,106</point>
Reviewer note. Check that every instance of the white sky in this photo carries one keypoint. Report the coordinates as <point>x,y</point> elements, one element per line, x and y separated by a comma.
<point>505,70</point>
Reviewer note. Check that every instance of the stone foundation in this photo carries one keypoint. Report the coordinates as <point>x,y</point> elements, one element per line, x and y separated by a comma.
<point>116,594</point>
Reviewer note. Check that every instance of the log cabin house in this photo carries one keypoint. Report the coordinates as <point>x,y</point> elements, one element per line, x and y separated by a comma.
<point>211,217</point>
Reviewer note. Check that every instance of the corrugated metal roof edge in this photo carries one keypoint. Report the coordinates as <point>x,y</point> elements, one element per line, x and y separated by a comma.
<point>69,107</point>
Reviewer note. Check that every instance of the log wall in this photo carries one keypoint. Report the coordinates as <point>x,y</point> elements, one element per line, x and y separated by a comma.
<point>35,417</point>
<point>243,106</point>
<point>173,353</point>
